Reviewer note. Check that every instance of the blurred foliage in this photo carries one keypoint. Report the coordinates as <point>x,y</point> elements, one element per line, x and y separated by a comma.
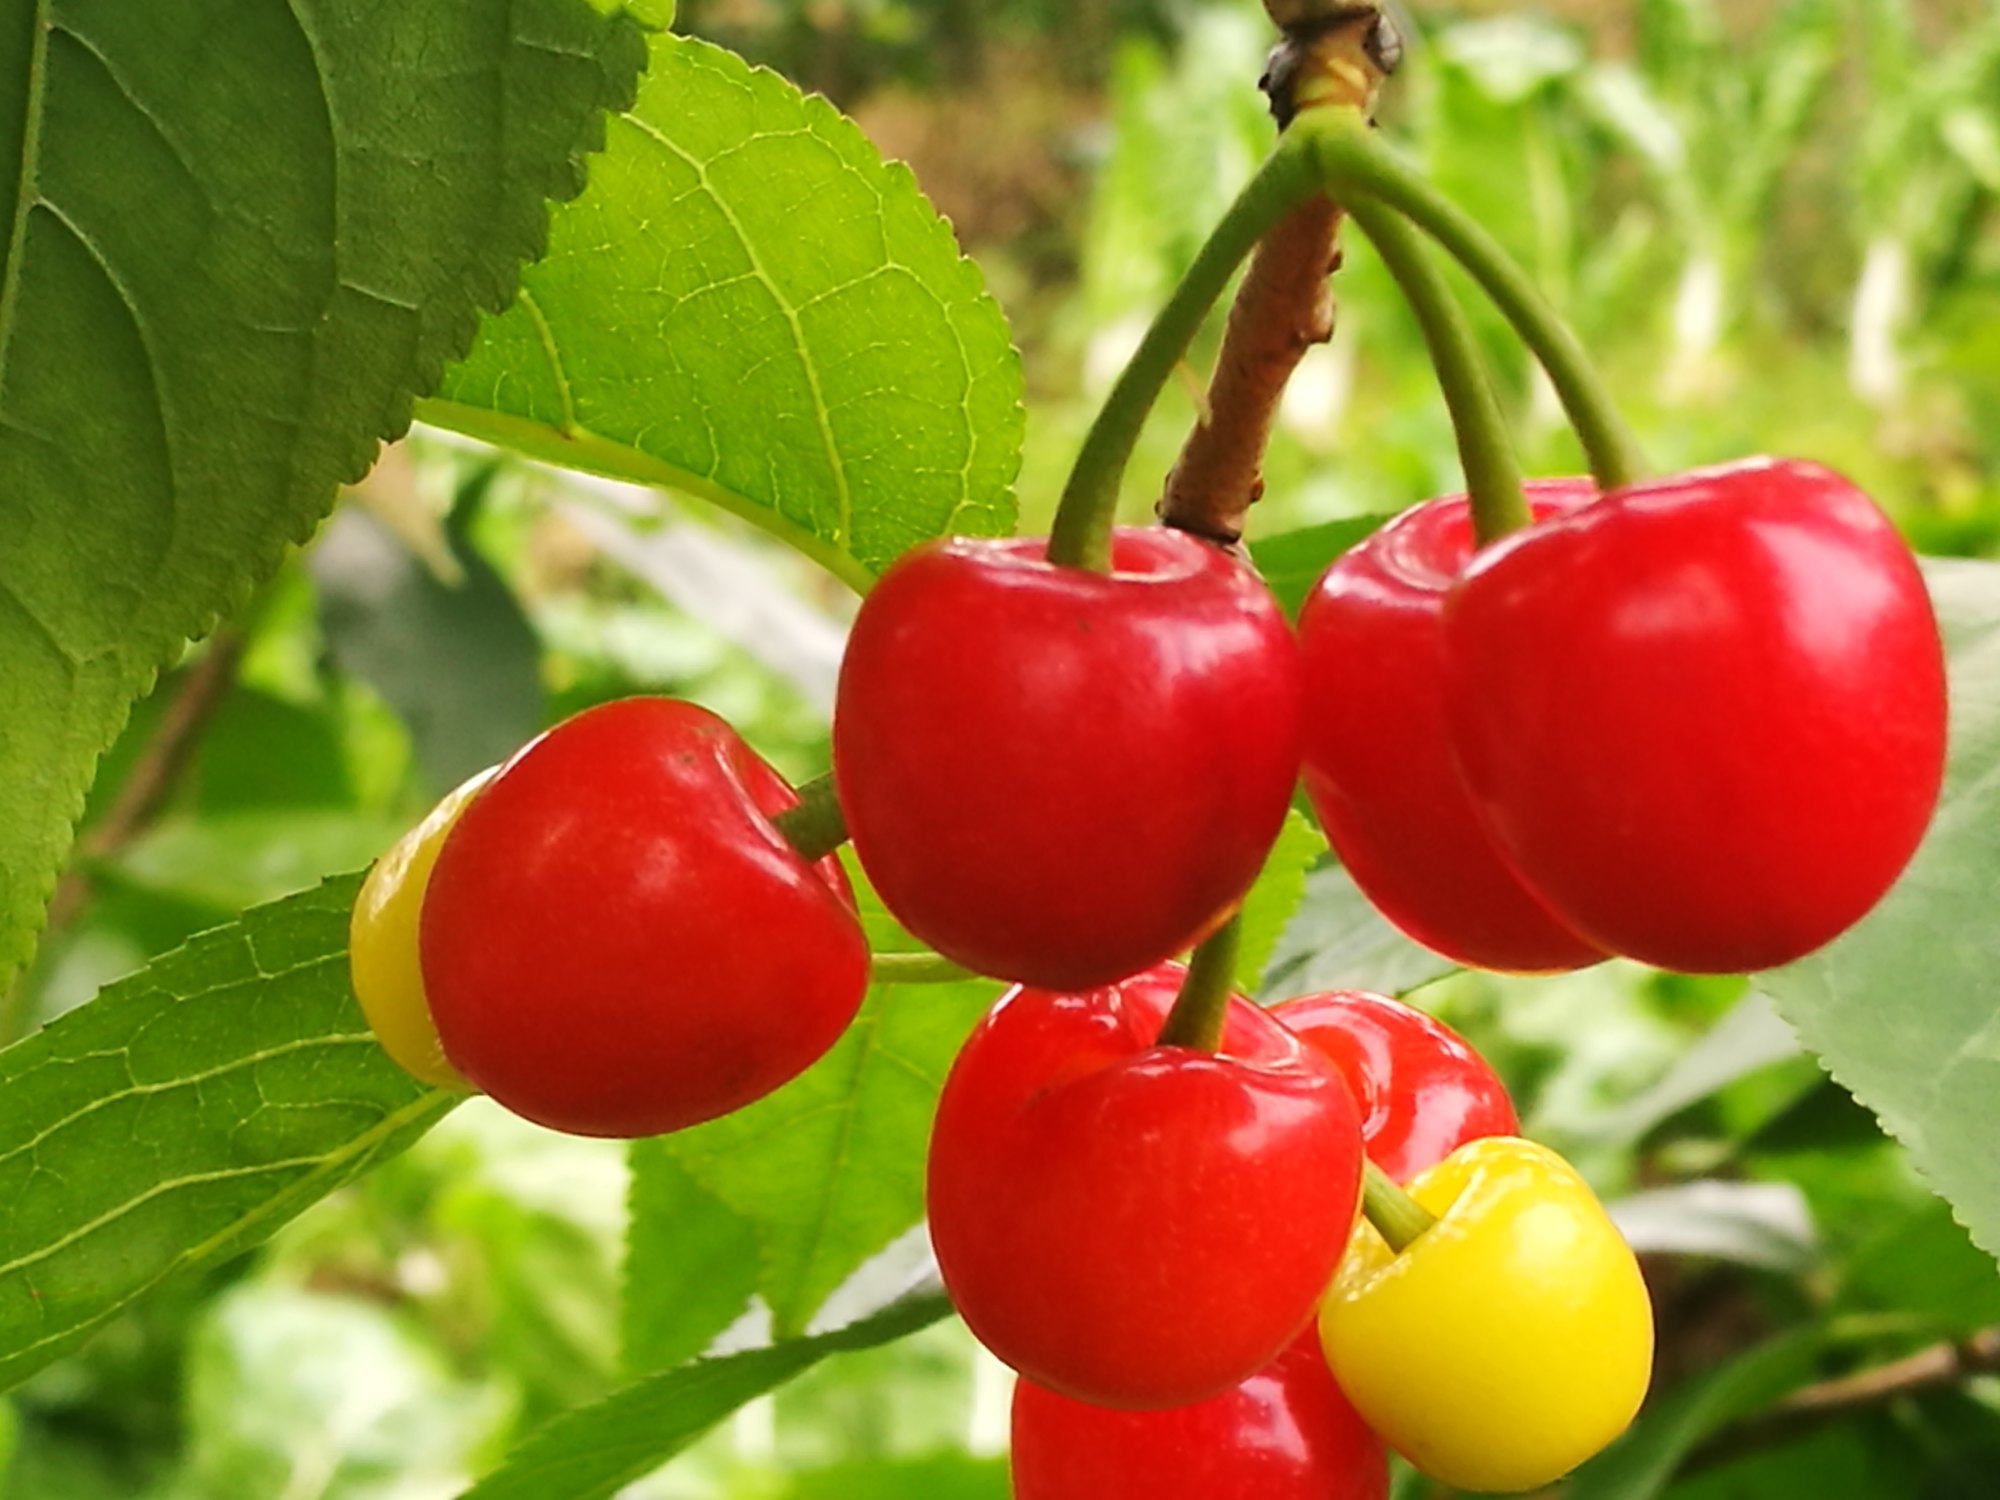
<point>1775,227</point>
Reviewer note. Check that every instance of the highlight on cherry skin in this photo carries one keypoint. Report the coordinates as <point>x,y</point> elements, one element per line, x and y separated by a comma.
<point>1135,1225</point>
<point>1378,762</point>
<point>616,940</point>
<point>1420,1087</point>
<point>1704,716</point>
<point>1060,777</point>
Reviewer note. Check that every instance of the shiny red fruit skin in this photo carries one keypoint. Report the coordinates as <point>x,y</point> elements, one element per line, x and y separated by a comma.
<point>1060,777</point>
<point>616,941</point>
<point>1704,716</point>
<point>1287,1433</point>
<point>1422,1091</point>
<point>1134,1225</point>
<point>1377,762</point>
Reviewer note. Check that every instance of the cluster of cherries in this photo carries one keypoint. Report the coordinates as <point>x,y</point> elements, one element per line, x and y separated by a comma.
<point>1697,721</point>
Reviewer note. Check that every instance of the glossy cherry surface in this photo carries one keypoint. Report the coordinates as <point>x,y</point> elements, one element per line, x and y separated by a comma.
<point>616,940</point>
<point>1422,1091</point>
<point>1135,1225</point>
<point>1378,761</point>
<point>1287,1433</point>
<point>1057,776</point>
<point>1704,716</point>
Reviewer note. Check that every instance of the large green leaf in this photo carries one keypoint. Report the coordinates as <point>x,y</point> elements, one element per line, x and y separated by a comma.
<point>808,1184</point>
<point>1905,1009</point>
<point>236,237</point>
<point>183,1115</point>
<point>589,1453</point>
<point>750,306</point>
<point>830,1169</point>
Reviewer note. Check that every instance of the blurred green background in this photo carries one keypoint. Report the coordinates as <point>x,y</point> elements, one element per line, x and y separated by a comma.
<point>1775,226</point>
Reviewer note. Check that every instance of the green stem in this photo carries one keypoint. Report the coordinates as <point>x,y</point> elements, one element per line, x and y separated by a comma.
<point>915,968</point>
<point>1203,1003</point>
<point>816,826</point>
<point>1354,166</point>
<point>1081,535</point>
<point>1492,475</point>
<point>1397,1217</point>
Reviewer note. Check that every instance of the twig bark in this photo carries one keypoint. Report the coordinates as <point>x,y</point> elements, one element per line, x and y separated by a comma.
<point>1938,1367</point>
<point>147,786</point>
<point>1332,56</point>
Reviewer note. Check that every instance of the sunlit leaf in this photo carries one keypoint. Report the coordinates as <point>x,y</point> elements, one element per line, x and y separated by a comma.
<point>589,1453</point>
<point>183,1115</point>
<point>750,306</point>
<point>1905,1009</point>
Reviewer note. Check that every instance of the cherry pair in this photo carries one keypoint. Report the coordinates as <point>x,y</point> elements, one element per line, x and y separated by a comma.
<point>1698,722</point>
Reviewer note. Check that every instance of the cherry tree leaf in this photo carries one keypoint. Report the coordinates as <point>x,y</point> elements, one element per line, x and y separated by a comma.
<point>1904,1010</point>
<point>236,238</point>
<point>809,1183</point>
<point>750,306</point>
<point>591,1452</point>
<point>830,1169</point>
<point>1274,898</point>
<point>185,1114</point>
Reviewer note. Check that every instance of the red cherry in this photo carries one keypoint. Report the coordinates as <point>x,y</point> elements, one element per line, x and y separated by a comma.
<point>616,940</point>
<point>1058,776</point>
<point>1287,1433</point>
<point>1378,764</point>
<point>1135,1225</point>
<point>1705,716</point>
<point>1422,1090</point>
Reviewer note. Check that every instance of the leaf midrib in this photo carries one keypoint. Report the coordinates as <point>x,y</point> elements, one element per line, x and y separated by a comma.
<point>836,465</point>
<point>28,191</point>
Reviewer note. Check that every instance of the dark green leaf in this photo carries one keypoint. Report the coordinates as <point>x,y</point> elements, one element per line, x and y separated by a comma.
<point>1640,1464</point>
<point>691,1262</point>
<point>1279,888</point>
<point>751,307</point>
<point>456,658</point>
<point>183,1115</point>
<point>821,1175</point>
<point>830,1169</point>
<point>1905,1009</point>
<point>242,235</point>
<point>1337,941</point>
<point>1920,1264</point>
<point>1292,561</point>
<point>589,1453</point>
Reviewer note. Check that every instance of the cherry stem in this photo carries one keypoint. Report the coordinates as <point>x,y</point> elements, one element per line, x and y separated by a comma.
<point>1492,474</point>
<point>1081,534</point>
<point>815,827</point>
<point>1202,1005</point>
<point>1397,1217</point>
<point>1354,166</point>
<point>915,968</point>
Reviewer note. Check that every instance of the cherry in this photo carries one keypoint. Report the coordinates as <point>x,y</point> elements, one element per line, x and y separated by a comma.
<point>1286,1433</point>
<point>1378,763</point>
<point>1058,776</point>
<point>1704,716</point>
<point>1135,1225</point>
<point>1423,1092</point>
<point>616,940</point>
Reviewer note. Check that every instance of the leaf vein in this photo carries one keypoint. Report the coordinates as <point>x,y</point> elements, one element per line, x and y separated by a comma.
<point>835,464</point>
<point>140,1090</point>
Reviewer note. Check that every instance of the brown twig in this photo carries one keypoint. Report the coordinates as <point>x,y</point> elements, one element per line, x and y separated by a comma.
<point>1332,56</point>
<point>146,789</point>
<point>1938,1367</point>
